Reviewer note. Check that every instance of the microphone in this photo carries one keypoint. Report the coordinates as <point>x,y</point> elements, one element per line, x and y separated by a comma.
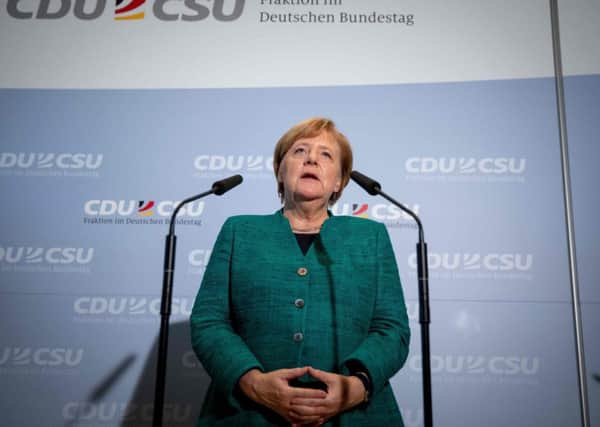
<point>374,188</point>
<point>369,185</point>
<point>224,185</point>
<point>219,188</point>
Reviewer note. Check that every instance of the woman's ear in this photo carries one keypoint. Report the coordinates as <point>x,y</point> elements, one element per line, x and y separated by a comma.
<point>337,186</point>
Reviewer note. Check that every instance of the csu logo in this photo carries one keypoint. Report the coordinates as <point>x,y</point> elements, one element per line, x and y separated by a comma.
<point>488,262</point>
<point>51,160</point>
<point>465,166</point>
<point>380,211</point>
<point>143,208</point>
<point>127,412</point>
<point>44,356</point>
<point>481,365</point>
<point>135,306</point>
<point>31,255</point>
<point>164,10</point>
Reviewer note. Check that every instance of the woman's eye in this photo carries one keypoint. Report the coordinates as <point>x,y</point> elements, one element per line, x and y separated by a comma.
<point>299,150</point>
<point>326,154</point>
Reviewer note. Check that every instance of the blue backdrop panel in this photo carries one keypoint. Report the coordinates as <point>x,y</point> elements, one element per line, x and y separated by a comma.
<point>583,122</point>
<point>510,358</point>
<point>91,177</point>
<point>91,371</point>
<point>161,146</point>
<point>583,113</point>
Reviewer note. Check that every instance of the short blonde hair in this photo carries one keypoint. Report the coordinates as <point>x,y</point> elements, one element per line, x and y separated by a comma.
<point>311,128</point>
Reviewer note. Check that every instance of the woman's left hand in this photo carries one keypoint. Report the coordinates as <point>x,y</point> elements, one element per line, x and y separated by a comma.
<point>343,393</point>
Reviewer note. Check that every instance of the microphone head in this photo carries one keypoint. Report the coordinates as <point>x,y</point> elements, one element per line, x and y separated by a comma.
<point>369,185</point>
<point>224,185</point>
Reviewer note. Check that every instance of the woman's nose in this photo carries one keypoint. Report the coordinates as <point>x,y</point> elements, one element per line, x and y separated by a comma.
<point>311,157</point>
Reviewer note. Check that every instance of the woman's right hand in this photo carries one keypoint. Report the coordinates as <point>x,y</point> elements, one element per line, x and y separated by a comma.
<point>272,389</point>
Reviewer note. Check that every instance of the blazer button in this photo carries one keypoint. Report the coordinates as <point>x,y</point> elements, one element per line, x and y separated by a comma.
<point>302,271</point>
<point>299,303</point>
<point>298,336</point>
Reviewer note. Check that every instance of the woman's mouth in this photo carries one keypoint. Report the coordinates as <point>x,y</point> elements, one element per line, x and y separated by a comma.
<point>308,175</point>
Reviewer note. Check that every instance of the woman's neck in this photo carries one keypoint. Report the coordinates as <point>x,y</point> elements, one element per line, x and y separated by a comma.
<point>306,218</point>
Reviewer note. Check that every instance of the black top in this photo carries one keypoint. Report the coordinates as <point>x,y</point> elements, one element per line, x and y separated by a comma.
<point>305,240</point>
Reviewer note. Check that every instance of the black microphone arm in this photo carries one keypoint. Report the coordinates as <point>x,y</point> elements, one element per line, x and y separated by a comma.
<point>218,188</point>
<point>374,188</point>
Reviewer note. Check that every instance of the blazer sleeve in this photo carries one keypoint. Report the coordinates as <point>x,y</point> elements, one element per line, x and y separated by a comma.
<point>385,349</point>
<point>222,352</point>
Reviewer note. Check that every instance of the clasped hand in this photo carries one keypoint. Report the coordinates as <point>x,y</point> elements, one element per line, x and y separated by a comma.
<point>302,406</point>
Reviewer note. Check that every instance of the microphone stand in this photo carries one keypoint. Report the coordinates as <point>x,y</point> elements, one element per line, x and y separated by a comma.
<point>218,188</point>
<point>373,188</point>
<point>424,314</point>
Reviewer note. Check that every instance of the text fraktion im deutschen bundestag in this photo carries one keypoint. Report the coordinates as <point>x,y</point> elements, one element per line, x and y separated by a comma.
<point>312,16</point>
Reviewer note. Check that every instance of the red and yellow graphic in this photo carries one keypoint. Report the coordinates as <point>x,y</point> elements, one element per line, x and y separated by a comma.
<point>123,12</point>
<point>361,210</point>
<point>145,208</point>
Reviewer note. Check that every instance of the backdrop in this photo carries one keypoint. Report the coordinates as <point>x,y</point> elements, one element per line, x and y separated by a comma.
<point>112,114</point>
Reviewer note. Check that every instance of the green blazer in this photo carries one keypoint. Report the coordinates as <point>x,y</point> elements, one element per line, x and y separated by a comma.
<point>263,304</point>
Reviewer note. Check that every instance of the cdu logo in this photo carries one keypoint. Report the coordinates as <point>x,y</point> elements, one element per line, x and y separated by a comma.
<point>466,166</point>
<point>479,365</point>
<point>233,163</point>
<point>164,10</point>
<point>122,413</point>
<point>378,211</point>
<point>24,160</point>
<point>128,306</point>
<point>55,9</point>
<point>143,208</point>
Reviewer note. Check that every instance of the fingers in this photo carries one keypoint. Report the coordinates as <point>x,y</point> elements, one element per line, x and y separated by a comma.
<point>324,376</point>
<point>290,374</point>
<point>306,413</point>
<point>304,401</point>
<point>275,393</point>
<point>307,406</point>
<point>313,411</point>
<point>305,393</point>
<point>307,410</point>
<point>306,417</point>
<point>301,406</point>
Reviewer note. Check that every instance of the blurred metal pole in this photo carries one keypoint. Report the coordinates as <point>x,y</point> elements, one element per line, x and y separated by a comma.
<point>566,175</point>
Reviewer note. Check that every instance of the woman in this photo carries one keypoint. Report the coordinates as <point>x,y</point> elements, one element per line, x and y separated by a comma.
<point>300,319</point>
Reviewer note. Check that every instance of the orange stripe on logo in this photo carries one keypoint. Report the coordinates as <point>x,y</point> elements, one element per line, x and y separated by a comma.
<point>139,15</point>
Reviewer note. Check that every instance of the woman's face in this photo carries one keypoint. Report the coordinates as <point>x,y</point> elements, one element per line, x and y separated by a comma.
<point>311,169</point>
